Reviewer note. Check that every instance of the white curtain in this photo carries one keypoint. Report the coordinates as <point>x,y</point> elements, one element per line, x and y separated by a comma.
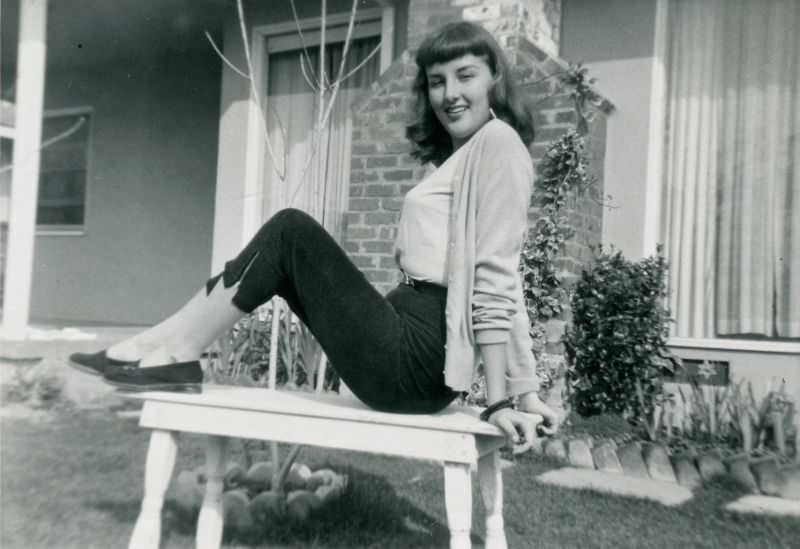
<point>732,190</point>
<point>320,186</point>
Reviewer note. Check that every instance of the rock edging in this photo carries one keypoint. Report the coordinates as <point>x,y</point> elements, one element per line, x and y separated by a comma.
<point>763,475</point>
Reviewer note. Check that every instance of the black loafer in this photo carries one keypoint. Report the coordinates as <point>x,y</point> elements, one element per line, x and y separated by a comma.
<point>96,363</point>
<point>180,377</point>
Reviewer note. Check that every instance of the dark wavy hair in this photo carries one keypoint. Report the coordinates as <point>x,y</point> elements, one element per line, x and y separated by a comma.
<point>430,141</point>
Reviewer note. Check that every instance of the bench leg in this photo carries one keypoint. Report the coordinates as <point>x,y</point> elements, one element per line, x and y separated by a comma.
<point>209,524</point>
<point>490,478</point>
<point>158,470</point>
<point>458,501</point>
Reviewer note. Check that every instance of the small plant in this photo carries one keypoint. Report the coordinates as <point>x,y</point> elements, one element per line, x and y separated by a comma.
<point>38,386</point>
<point>616,346</point>
<point>728,420</point>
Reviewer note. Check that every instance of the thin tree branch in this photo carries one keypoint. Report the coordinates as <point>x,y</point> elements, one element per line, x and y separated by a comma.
<point>302,39</point>
<point>225,60</point>
<point>362,63</point>
<point>313,85</point>
<point>254,90</point>
<point>44,144</point>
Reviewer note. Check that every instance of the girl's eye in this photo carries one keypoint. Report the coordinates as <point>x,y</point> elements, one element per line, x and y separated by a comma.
<point>466,76</point>
<point>434,83</point>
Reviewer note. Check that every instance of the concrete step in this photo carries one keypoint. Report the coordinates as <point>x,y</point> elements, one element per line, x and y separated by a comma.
<point>666,493</point>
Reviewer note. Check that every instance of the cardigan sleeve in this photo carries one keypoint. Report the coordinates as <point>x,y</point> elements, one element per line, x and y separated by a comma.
<point>504,186</point>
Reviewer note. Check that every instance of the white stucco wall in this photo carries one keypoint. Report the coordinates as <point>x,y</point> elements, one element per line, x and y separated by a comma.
<point>614,39</point>
<point>150,197</point>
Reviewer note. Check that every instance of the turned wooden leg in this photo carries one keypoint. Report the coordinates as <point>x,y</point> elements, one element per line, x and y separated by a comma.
<point>209,524</point>
<point>458,501</point>
<point>490,478</point>
<point>158,470</point>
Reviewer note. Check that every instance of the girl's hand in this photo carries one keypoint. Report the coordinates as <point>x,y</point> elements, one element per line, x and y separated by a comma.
<point>531,403</point>
<point>519,428</point>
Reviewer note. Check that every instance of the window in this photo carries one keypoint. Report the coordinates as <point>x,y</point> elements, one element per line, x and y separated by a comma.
<point>63,171</point>
<point>731,218</point>
<point>315,173</point>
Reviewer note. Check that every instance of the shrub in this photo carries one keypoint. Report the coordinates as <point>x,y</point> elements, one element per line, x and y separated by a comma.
<point>616,345</point>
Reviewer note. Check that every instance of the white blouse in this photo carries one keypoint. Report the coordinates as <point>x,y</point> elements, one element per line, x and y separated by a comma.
<point>422,235</point>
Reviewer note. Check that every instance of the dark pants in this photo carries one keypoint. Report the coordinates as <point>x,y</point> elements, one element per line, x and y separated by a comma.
<point>388,350</point>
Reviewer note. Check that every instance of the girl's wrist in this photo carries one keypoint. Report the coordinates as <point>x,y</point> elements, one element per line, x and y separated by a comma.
<point>508,402</point>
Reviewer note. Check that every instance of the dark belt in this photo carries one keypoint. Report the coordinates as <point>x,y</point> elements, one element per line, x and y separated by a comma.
<point>425,287</point>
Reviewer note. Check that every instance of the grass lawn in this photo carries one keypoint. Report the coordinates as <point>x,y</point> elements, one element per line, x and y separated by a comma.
<point>75,481</point>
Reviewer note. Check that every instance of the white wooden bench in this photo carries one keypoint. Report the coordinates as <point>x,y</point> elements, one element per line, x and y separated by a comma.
<point>455,437</point>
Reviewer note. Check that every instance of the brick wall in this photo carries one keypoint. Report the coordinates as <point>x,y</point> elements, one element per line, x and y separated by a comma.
<point>382,171</point>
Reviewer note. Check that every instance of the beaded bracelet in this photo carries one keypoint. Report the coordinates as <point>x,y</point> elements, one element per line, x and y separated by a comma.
<point>509,402</point>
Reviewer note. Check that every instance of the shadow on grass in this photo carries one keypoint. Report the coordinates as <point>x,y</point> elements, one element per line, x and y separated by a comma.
<point>369,514</point>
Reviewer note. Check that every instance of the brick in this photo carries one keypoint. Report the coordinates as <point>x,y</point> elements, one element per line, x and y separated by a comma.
<point>658,463</point>
<point>350,246</point>
<point>400,147</point>
<point>363,261</point>
<point>398,175</point>
<point>766,473</point>
<point>392,204</point>
<point>377,275</point>
<point>580,454</point>
<point>387,262</point>
<point>364,204</point>
<point>381,162</point>
<point>710,466</point>
<point>605,458</point>
<point>555,448</point>
<point>354,218</point>
<point>630,457</point>
<point>739,469</point>
<point>363,149</point>
<point>544,134</point>
<point>381,218</point>
<point>364,177</point>
<point>399,117</point>
<point>378,246</point>
<point>388,233</point>
<point>686,472</point>
<point>381,190</point>
<point>356,164</point>
<point>356,233</point>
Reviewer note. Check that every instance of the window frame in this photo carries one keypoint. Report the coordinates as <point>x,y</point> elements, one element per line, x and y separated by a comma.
<point>260,36</point>
<point>71,230</point>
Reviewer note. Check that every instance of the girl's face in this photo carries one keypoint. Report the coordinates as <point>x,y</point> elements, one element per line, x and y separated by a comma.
<point>458,91</point>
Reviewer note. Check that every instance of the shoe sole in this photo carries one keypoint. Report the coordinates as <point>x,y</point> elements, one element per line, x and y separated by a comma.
<point>84,369</point>
<point>171,387</point>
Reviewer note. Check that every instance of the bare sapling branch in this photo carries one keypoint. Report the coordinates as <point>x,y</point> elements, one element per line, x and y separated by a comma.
<point>255,94</point>
<point>47,143</point>
<point>225,60</point>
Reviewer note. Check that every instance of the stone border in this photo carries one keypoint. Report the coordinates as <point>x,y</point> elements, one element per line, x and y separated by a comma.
<point>653,461</point>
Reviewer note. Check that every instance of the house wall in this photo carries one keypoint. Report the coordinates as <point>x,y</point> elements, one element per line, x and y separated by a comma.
<point>614,39</point>
<point>150,196</point>
<point>759,368</point>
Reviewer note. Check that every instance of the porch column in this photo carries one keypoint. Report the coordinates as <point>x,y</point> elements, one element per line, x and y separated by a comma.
<point>25,175</point>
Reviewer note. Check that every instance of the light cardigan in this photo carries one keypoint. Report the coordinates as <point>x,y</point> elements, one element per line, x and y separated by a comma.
<point>493,182</point>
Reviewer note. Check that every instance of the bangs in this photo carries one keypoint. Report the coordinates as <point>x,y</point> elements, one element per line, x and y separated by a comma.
<point>453,41</point>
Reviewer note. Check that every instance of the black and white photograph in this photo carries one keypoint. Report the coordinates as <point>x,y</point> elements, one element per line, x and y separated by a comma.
<point>399,274</point>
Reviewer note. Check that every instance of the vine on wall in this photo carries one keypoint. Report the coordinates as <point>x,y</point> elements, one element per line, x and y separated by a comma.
<point>562,172</point>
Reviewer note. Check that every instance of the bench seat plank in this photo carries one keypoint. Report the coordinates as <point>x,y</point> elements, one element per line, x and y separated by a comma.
<point>454,418</point>
<point>392,439</point>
